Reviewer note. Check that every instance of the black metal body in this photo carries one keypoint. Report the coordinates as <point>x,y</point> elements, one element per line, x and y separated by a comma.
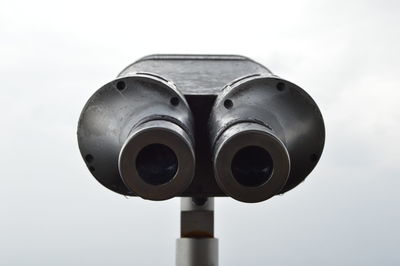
<point>205,101</point>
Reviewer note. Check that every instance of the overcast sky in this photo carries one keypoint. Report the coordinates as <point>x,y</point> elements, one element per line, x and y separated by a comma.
<point>55,54</point>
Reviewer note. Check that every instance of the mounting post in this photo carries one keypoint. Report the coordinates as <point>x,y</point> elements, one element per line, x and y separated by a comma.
<point>197,245</point>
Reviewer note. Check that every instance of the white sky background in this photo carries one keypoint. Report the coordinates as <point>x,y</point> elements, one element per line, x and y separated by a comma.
<point>55,54</point>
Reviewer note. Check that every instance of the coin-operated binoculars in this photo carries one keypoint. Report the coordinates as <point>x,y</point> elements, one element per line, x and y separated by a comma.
<point>198,127</point>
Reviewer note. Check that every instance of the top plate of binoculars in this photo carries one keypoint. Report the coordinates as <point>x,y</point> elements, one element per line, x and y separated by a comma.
<point>200,126</point>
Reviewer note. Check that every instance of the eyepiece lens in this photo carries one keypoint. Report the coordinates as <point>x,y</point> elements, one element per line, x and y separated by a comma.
<point>156,164</point>
<point>252,166</point>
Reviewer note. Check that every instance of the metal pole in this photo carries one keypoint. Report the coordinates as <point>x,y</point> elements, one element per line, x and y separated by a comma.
<point>197,245</point>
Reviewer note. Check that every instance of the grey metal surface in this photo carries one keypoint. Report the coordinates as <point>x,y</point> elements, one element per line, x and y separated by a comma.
<point>197,217</point>
<point>197,74</point>
<point>205,97</point>
<point>285,111</point>
<point>197,245</point>
<point>160,132</point>
<point>197,252</point>
<point>116,112</point>
<point>249,134</point>
<point>197,204</point>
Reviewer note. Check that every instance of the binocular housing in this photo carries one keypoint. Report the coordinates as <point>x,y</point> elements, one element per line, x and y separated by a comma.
<point>200,126</point>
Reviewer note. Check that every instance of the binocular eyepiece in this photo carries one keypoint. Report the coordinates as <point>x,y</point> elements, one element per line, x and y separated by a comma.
<point>200,126</point>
